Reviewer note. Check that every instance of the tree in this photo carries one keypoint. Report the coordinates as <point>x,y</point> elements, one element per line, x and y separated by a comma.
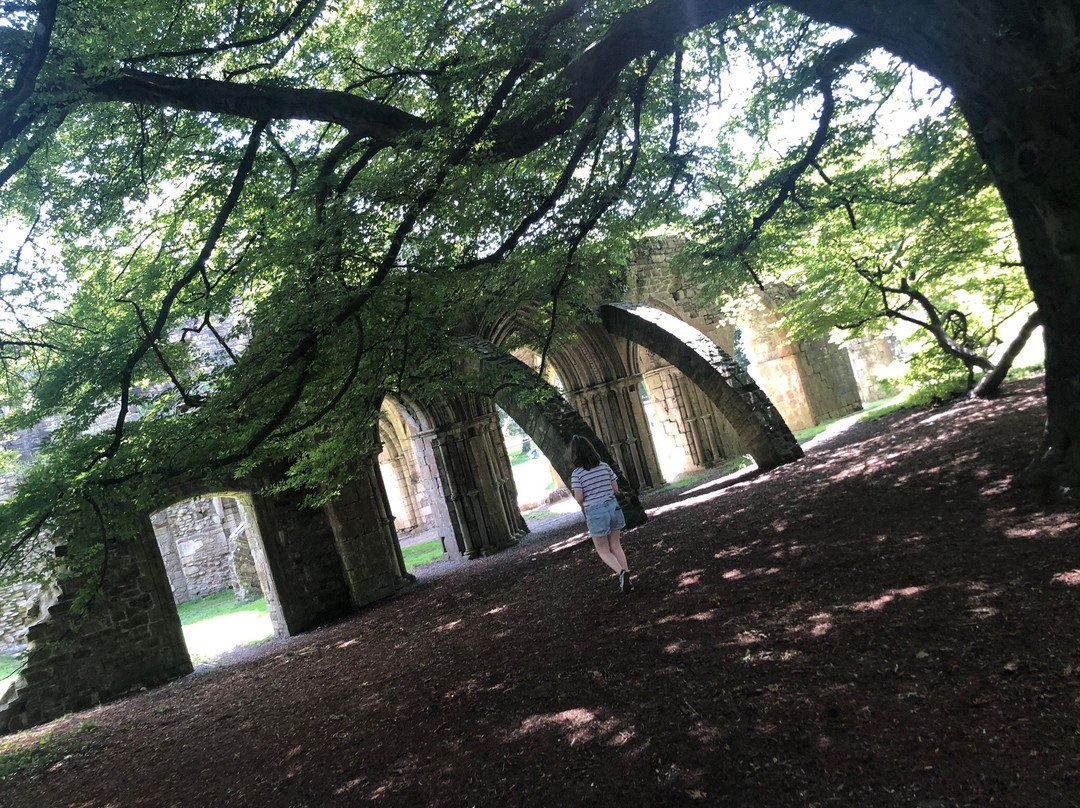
<point>881,209</point>
<point>1013,72</point>
<point>318,192</point>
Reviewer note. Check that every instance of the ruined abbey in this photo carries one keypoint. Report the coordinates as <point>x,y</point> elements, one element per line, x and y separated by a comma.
<point>443,467</point>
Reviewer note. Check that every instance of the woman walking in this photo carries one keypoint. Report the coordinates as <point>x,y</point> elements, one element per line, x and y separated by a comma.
<point>594,486</point>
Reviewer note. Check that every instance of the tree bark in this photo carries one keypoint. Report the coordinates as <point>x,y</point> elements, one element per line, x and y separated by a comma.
<point>990,384</point>
<point>1015,73</point>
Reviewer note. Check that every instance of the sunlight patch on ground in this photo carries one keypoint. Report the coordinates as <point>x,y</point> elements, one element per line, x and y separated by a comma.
<point>822,623</point>
<point>1046,526</point>
<point>680,618</point>
<point>746,473</point>
<point>209,639</point>
<point>577,725</point>
<point>879,603</point>
<point>689,502</point>
<point>816,625</point>
<point>690,578</point>
<point>565,544</point>
<point>737,574</point>
<point>750,637</point>
<point>733,552</point>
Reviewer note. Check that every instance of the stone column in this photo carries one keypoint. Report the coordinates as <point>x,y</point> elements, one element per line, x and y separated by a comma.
<point>477,483</point>
<point>129,636</point>
<point>364,535</point>
<point>238,533</point>
<point>174,567</point>
<point>616,414</point>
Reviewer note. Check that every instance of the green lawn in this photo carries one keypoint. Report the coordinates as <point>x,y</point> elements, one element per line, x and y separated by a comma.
<point>8,665</point>
<point>417,555</point>
<point>219,623</point>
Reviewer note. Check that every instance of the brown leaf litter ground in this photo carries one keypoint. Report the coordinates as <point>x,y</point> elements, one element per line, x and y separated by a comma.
<point>884,623</point>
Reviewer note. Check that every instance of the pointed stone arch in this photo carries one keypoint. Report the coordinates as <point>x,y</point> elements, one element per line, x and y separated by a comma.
<point>547,418</point>
<point>600,378</point>
<point>754,418</point>
<point>465,468</point>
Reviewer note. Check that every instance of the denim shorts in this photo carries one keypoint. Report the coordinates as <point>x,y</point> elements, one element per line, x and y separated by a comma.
<point>603,518</point>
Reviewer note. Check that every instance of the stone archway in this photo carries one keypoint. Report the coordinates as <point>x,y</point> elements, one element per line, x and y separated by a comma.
<point>547,418</point>
<point>601,380</point>
<point>748,410</point>
<point>212,545</point>
<point>324,563</point>
<point>464,466</point>
<point>401,469</point>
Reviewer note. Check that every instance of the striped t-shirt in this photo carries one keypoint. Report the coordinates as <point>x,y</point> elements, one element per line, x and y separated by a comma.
<point>595,483</point>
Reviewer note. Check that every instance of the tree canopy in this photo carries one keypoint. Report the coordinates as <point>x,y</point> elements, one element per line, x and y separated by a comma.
<point>231,228</point>
<point>860,191</point>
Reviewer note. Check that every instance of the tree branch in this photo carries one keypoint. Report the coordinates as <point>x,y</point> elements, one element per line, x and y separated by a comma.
<point>935,327</point>
<point>592,74</point>
<point>155,333</point>
<point>259,102</point>
<point>230,45</point>
<point>990,384</point>
<point>24,84</point>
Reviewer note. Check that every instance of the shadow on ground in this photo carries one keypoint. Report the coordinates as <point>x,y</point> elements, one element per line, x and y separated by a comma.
<point>885,623</point>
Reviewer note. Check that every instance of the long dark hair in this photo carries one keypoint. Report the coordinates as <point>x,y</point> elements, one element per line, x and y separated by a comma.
<point>582,453</point>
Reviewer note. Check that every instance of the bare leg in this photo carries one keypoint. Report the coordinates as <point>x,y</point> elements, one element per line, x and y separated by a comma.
<point>616,549</point>
<point>603,549</point>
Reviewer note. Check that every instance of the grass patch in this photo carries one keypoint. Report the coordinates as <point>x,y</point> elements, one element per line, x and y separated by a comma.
<point>417,555</point>
<point>19,757</point>
<point>881,412</point>
<point>722,469</point>
<point>219,623</point>
<point>219,604</point>
<point>8,665</point>
<point>803,435</point>
<point>538,514</point>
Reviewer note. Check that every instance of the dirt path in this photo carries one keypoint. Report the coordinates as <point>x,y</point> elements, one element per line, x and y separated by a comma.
<point>885,623</point>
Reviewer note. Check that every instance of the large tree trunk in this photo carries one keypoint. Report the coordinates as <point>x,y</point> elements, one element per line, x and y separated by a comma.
<point>990,384</point>
<point>1031,141</point>
<point>1014,69</point>
<point>1051,257</point>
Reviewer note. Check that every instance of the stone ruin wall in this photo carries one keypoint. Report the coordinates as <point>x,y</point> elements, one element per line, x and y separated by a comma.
<point>76,663</point>
<point>22,602</point>
<point>809,381</point>
<point>869,357</point>
<point>206,548</point>
<point>203,542</point>
<point>690,423</point>
<point>476,512</point>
